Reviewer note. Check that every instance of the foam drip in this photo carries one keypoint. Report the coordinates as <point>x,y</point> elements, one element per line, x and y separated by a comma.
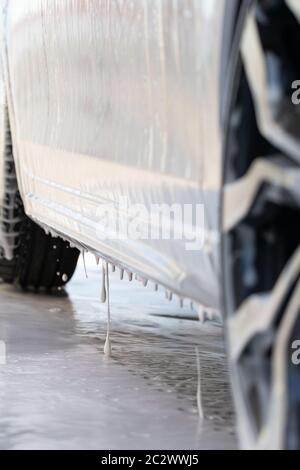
<point>107,345</point>
<point>84,264</point>
<point>199,391</point>
<point>103,286</point>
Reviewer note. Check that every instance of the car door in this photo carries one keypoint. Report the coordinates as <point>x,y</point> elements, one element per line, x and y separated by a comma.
<point>114,110</point>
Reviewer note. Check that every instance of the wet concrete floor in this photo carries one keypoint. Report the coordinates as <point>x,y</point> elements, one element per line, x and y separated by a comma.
<point>58,391</point>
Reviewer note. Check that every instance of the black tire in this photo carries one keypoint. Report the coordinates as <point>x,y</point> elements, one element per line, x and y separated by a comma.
<point>41,261</point>
<point>7,271</point>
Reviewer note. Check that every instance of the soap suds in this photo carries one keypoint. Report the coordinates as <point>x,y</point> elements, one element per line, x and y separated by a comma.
<point>107,346</point>
<point>103,287</point>
<point>84,264</point>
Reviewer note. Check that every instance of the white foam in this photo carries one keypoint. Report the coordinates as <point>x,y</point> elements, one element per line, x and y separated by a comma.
<point>103,286</point>
<point>107,345</point>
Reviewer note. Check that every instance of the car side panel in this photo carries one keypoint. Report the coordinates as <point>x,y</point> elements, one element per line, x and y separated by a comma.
<point>116,102</point>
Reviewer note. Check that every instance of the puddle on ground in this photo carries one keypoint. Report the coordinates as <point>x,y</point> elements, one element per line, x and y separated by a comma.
<point>161,347</point>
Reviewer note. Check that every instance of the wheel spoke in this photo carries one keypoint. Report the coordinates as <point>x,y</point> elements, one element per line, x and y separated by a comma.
<point>295,7</point>
<point>240,195</point>
<point>273,433</point>
<point>255,64</point>
<point>259,311</point>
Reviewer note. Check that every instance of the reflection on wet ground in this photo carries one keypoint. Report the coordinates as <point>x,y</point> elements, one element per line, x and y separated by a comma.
<point>58,391</point>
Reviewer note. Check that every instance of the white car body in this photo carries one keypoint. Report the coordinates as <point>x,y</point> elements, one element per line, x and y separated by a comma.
<point>113,101</point>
